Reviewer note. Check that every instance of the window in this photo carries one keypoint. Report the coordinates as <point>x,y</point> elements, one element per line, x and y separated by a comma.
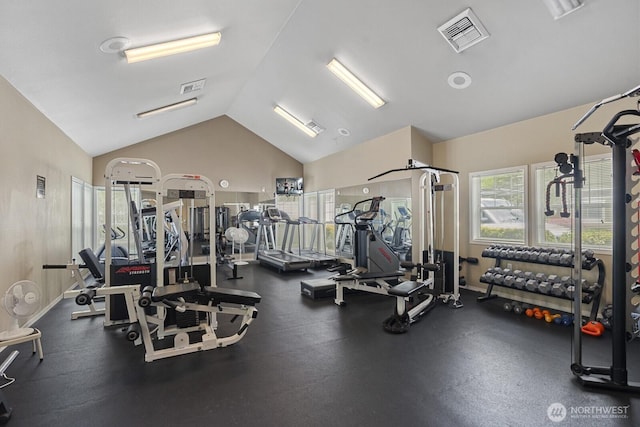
<point>81,216</point>
<point>597,214</point>
<point>321,207</point>
<point>498,205</point>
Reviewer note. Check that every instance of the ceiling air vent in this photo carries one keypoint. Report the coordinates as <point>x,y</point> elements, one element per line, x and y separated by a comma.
<point>463,31</point>
<point>192,86</point>
<point>315,127</point>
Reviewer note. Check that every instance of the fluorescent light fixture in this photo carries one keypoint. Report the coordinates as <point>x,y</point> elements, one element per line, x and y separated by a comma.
<point>354,83</point>
<point>166,108</point>
<point>171,48</point>
<point>560,8</point>
<point>294,121</point>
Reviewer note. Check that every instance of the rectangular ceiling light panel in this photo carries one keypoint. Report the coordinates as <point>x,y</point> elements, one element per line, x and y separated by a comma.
<point>171,48</point>
<point>294,121</point>
<point>355,84</point>
<point>463,31</point>
<point>167,108</point>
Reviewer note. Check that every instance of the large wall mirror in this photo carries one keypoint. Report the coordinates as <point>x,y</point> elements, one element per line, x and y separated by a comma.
<point>394,219</point>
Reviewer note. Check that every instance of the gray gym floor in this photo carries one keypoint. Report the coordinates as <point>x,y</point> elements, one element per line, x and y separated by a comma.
<point>312,363</point>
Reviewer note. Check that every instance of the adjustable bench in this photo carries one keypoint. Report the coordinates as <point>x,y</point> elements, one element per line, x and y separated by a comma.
<point>376,283</point>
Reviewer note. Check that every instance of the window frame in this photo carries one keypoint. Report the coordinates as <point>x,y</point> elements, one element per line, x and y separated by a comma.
<point>474,211</point>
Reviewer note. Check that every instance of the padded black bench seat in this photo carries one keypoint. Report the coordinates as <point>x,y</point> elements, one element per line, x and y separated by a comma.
<point>232,296</point>
<point>343,277</point>
<point>370,276</point>
<point>406,288</point>
<point>175,291</point>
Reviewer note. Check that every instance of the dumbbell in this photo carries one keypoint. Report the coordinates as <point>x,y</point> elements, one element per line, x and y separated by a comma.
<point>545,288</point>
<point>569,290</point>
<point>518,273</point>
<point>507,306</point>
<point>566,260</point>
<point>543,257</point>
<point>519,283</point>
<point>518,308</point>
<point>509,280</point>
<point>588,255</point>
<point>566,320</point>
<point>541,277</point>
<point>558,289</point>
<point>531,285</point>
<point>529,275</point>
<point>498,279</point>
<point>567,280</point>
<point>487,277</point>
<point>549,318</point>
<point>554,259</point>
<point>539,314</point>
<point>487,252</point>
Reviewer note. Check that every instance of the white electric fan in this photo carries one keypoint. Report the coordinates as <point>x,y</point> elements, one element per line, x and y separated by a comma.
<point>237,236</point>
<point>21,301</point>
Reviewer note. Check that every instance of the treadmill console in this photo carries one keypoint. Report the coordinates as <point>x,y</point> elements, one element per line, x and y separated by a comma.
<point>273,214</point>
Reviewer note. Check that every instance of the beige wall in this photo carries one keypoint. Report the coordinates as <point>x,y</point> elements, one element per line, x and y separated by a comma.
<point>523,143</point>
<point>356,165</point>
<point>35,231</point>
<point>218,149</point>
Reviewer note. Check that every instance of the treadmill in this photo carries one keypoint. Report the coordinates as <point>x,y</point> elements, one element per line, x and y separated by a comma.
<point>266,249</point>
<point>318,258</point>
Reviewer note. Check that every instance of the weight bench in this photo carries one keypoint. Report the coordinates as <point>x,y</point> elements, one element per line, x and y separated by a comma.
<point>191,297</point>
<point>376,283</point>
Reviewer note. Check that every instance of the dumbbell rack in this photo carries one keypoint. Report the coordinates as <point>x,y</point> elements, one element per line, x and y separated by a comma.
<point>554,257</point>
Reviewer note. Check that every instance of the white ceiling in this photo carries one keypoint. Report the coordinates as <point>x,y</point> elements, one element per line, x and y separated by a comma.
<point>276,51</point>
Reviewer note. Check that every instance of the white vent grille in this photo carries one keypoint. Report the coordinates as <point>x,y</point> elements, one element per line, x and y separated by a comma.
<point>192,86</point>
<point>463,31</point>
<point>315,127</point>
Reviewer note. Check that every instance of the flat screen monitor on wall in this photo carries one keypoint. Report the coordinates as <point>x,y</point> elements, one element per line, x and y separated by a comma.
<point>289,186</point>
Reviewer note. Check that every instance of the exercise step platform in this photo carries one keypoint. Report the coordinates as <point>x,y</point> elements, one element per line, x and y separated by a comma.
<point>318,288</point>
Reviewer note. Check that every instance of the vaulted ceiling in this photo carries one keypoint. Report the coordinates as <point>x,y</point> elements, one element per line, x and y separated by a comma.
<point>275,52</point>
